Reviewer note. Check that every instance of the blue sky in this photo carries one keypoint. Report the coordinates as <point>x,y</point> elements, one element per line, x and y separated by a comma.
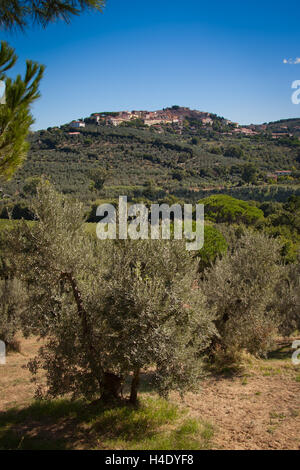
<point>221,57</point>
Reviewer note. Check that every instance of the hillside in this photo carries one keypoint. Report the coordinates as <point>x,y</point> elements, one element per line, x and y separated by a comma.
<point>285,125</point>
<point>176,151</point>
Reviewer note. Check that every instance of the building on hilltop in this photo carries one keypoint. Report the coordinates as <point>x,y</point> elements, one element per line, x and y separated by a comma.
<point>77,124</point>
<point>283,172</point>
<point>207,121</point>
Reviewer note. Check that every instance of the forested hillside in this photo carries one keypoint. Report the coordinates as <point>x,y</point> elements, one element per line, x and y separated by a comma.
<point>183,160</point>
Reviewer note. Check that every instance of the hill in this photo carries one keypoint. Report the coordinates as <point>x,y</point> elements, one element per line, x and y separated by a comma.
<point>175,152</point>
<point>285,125</point>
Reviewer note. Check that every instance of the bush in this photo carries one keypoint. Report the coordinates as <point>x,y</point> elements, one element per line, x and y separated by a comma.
<point>242,287</point>
<point>234,151</point>
<point>288,300</point>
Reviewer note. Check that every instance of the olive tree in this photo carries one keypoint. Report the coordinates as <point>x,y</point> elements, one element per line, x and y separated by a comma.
<point>107,309</point>
<point>242,287</point>
<point>12,304</point>
<point>156,312</point>
<point>288,299</point>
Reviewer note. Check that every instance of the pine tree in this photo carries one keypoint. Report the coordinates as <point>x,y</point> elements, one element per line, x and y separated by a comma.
<point>19,14</point>
<point>15,116</point>
<point>20,93</point>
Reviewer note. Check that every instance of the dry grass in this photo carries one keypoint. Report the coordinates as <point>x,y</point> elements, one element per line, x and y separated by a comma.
<point>257,408</point>
<point>64,424</point>
<point>15,386</point>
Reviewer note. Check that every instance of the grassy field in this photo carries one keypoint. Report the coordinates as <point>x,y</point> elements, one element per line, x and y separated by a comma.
<point>65,424</point>
<point>257,408</point>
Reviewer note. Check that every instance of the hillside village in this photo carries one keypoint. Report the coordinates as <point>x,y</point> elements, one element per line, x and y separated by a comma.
<point>174,115</point>
<point>177,115</point>
<point>176,153</point>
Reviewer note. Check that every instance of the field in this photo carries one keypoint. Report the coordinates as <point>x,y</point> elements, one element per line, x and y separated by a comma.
<point>256,408</point>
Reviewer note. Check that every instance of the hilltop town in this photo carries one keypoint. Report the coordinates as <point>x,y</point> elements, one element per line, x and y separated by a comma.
<point>177,116</point>
<point>176,153</point>
<point>174,115</point>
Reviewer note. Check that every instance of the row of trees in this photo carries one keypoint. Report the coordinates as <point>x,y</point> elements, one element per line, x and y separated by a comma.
<point>108,310</point>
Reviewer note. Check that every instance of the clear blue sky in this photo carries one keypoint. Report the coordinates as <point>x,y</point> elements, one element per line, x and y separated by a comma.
<point>217,56</point>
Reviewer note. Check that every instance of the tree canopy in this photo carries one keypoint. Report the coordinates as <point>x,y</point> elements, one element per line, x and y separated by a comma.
<point>121,305</point>
<point>214,246</point>
<point>15,116</point>
<point>224,208</point>
<point>20,14</point>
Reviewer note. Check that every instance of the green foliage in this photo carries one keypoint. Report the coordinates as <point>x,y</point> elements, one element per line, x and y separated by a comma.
<point>216,150</point>
<point>284,222</point>
<point>15,117</point>
<point>249,173</point>
<point>30,185</point>
<point>223,208</point>
<point>234,151</point>
<point>133,123</point>
<point>22,13</point>
<point>12,304</point>
<point>242,287</point>
<point>157,316</point>
<point>214,246</point>
<point>98,177</point>
<point>107,309</point>
<point>288,299</point>
<point>133,156</point>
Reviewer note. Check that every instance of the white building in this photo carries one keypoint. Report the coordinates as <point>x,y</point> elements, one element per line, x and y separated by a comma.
<point>77,124</point>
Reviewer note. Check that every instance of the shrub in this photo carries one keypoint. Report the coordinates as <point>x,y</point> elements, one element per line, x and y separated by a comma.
<point>234,151</point>
<point>242,287</point>
<point>288,299</point>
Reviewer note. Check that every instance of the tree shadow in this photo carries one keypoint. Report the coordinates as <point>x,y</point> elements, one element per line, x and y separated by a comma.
<point>42,425</point>
<point>67,424</point>
<point>283,353</point>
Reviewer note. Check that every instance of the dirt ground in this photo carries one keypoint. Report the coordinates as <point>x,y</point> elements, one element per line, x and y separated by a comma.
<point>263,413</point>
<point>16,388</point>
<point>256,409</point>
